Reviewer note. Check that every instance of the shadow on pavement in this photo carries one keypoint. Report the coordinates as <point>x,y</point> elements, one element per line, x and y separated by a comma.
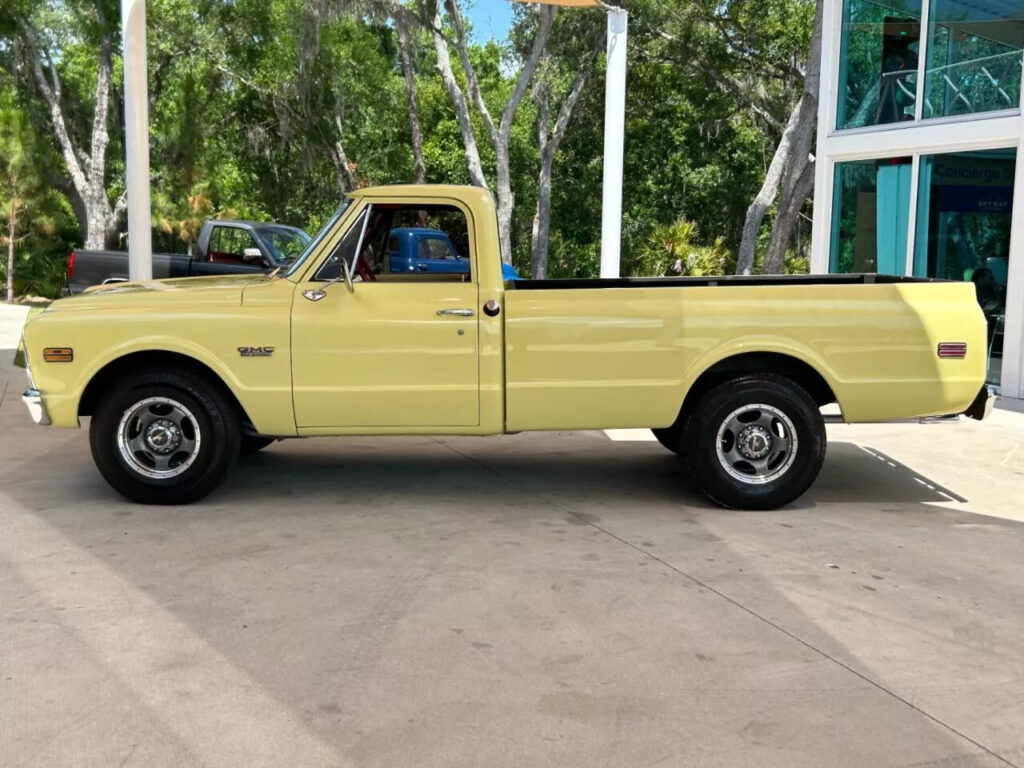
<point>562,597</point>
<point>645,472</point>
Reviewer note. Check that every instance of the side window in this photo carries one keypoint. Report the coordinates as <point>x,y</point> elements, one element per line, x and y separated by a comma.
<point>439,248</point>
<point>346,249</point>
<point>229,244</point>
<point>411,244</point>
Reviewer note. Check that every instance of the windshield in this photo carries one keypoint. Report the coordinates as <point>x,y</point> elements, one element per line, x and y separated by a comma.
<point>315,243</point>
<point>284,243</point>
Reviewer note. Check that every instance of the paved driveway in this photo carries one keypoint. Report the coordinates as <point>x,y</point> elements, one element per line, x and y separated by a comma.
<point>537,600</point>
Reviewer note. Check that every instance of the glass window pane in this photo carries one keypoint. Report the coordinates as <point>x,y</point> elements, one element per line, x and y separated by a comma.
<point>965,208</point>
<point>871,215</point>
<point>878,62</point>
<point>974,56</point>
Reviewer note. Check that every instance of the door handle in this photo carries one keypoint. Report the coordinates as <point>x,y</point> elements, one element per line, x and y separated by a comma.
<point>456,312</point>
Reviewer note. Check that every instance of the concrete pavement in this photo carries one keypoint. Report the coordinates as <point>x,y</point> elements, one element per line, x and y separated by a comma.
<point>536,600</point>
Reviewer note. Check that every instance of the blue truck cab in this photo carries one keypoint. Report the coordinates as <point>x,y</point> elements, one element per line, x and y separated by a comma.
<point>415,249</point>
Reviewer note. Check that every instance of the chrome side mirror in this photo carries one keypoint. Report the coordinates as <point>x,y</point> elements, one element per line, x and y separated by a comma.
<point>345,273</point>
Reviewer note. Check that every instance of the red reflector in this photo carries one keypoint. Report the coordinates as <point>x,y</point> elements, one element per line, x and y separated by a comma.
<point>71,266</point>
<point>953,349</point>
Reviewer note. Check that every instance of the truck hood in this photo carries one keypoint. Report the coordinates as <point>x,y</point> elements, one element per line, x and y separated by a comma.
<point>217,290</point>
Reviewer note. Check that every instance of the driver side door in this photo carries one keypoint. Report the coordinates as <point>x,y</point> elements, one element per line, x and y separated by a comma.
<point>398,352</point>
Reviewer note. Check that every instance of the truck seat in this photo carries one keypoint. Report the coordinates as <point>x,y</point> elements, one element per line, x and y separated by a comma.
<point>225,258</point>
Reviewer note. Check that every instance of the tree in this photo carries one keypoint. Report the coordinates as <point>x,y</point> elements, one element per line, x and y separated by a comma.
<point>411,99</point>
<point>791,169</point>
<point>29,208</point>
<point>87,169</point>
<point>500,132</point>
<point>549,140</point>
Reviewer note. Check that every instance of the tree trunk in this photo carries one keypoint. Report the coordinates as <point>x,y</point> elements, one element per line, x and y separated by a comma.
<point>542,217</point>
<point>791,155</point>
<point>506,200</point>
<point>98,211</point>
<point>786,220</point>
<point>343,172</point>
<point>501,134</point>
<point>411,100</point>
<point>458,100</point>
<point>88,173</point>
<point>798,184</point>
<point>766,196</point>
<point>550,141</point>
<point>12,231</point>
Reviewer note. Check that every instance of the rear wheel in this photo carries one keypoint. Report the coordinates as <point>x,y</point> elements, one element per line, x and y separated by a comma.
<point>755,442</point>
<point>165,437</point>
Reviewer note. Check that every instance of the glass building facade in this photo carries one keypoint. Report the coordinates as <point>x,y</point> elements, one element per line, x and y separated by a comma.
<point>919,130</point>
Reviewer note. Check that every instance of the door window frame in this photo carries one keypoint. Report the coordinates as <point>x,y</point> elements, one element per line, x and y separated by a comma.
<point>361,204</point>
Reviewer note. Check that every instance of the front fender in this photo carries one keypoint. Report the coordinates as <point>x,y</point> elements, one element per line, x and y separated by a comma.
<point>262,385</point>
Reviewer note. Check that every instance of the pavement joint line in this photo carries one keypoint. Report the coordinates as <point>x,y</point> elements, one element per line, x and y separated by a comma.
<point>3,393</point>
<point>732,601</point>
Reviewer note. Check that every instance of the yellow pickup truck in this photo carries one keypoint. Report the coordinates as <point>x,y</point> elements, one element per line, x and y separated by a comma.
<point>180,377</point>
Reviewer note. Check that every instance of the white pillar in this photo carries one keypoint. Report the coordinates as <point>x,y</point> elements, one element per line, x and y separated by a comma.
<point>824,166</point>
<point>1012,384</point>
<point>136,139</point>
<point>614,142</point>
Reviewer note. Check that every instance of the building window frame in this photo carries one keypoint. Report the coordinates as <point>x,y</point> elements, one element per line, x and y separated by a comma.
<point>921,137</point>
<point>834,76</point>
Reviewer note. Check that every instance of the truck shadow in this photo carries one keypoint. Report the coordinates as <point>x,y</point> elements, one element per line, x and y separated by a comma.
<point>448,467</point>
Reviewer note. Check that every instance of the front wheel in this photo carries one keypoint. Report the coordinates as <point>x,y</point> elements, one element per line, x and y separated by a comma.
<point>165,438</point>
<point>669,437</point>
<point>755,442</point>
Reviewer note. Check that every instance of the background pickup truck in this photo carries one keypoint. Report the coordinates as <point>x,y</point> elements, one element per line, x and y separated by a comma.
<point>181,376</point>
<point>416,249</point>
<point>223,248</point>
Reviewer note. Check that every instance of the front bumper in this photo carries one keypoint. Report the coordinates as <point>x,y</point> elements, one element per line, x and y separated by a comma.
<point>983,404</point>
<point>33,400</point>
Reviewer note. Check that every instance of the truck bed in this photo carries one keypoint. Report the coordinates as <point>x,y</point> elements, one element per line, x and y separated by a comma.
<point>577,358</point>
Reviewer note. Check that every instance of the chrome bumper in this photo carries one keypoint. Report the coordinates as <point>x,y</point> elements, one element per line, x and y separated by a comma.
<point>983,404</point>
<point>33,400</point>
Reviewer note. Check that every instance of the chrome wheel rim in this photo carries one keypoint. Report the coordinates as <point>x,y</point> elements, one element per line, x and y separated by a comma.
<point>757,444</point>
<point>158,438</point>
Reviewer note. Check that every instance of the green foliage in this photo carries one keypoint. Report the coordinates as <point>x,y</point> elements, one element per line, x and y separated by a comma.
<point>34,218</point>
<point>672,250</point>
<point>251,99</point>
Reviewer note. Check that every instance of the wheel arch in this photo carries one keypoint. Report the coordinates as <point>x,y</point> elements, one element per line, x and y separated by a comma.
<point>747,363</point>
<point>155,359</point>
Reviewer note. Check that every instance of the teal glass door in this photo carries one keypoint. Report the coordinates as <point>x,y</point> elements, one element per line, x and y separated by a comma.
<point>965,209</point>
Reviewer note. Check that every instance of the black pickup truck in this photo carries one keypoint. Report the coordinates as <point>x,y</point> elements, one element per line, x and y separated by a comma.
<point>223,248</point>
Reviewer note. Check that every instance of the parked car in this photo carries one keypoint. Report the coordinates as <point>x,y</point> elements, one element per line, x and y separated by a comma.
<point>181,376</point>
<point>222,248</point>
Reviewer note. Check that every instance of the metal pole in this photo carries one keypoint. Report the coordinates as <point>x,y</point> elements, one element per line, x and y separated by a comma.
<point>136,140</point>
<point>614,142</point>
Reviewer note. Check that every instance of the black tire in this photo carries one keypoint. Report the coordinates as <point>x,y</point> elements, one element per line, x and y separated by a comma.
<point>207,429</point>
<point>669,437</point>
<point>252,444</point>
<point>784,471</point>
